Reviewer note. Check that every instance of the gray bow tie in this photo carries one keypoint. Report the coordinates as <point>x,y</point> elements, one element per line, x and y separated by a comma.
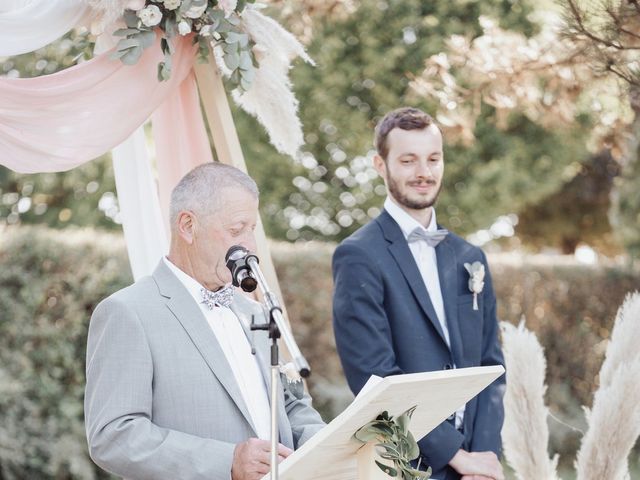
<point>432,238</point>
<point>220,298</point>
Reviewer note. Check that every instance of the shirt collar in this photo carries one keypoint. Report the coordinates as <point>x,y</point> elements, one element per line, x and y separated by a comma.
<point>190,283</point>
<point>405,221</point>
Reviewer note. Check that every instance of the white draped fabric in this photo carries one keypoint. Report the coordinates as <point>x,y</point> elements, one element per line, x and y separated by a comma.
<point>142,222</point>
<point>28,25</point>
<point>56,122</point>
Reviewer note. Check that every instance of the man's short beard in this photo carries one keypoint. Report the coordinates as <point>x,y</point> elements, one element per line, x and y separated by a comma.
<point>405,201</point>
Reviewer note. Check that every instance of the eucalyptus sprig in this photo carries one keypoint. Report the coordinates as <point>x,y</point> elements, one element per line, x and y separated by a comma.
<point>212,22</point>
<point>395,443</point>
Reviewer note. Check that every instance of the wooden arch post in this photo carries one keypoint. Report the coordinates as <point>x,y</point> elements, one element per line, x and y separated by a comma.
<point>228,150</point>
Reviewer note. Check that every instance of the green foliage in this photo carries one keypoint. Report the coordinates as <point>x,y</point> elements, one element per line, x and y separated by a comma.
<point>51,280</point>
<point>82,196</point>
<point>214,24</point>
<point>396,444</point>
<point>577,213</point>
<point>72,47</point>
<point>364,64</point>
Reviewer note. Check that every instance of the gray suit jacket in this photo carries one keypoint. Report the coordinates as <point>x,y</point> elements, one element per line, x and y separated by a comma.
<point>161,400</point>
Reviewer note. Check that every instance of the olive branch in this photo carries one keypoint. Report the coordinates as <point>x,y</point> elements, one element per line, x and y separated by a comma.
<point>395,443</point>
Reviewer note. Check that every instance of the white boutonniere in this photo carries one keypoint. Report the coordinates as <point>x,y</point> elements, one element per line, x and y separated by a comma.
<point>476,280</point>
<point>291,380</point>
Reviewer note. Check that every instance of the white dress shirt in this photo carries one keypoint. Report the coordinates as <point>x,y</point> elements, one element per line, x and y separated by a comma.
<point>237,350</point>
<point>427,262</point>
<point>425,257</point>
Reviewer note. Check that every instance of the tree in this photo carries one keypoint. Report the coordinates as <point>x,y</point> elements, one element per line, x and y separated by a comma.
<point>583,72</point>
<point>369,57</point>
<point>609,34</point>
<point>366,60</point>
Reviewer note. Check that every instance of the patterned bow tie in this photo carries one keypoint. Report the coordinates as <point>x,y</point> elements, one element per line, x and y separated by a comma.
<point>220,298</point>
<point>432,238</point>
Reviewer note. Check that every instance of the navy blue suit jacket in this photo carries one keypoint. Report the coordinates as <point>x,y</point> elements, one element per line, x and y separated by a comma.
<point>385,324</point>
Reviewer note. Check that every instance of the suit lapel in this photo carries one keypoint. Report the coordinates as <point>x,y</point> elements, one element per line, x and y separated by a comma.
<point>399,249</point>
<point>447,273</point>
<point>187,312</point>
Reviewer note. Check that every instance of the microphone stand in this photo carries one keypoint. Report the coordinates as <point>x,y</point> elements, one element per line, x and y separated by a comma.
<point>276,327</point>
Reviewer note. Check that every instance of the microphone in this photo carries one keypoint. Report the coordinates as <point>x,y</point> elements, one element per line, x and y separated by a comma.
<point>245,269</point>
<point>236,260</point>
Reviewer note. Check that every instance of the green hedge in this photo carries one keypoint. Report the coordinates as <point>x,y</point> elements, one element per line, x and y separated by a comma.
<point>50,280</point>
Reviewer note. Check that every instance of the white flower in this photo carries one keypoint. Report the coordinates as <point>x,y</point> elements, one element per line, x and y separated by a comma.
<point>171,4</point>
<point>290,372</point>
<point>476,280</point>
<point>195,11</point>
<point>205,31</point>
<point>150,16</point>
<point>184,28</point>
<point>228,6</point>
<point>291,380</point>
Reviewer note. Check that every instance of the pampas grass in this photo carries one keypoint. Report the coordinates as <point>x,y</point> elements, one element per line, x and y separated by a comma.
<point>614,421</point>
<point>525,434</point>
<point>105,13</point>
<point>270,98</point>
<point>623,345</point>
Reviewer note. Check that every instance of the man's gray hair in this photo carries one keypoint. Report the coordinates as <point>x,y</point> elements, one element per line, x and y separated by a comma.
<point>199,190</point>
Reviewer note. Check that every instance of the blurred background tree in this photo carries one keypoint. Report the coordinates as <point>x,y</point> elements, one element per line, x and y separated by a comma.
<point>609,34</point>
<point>526,115</point>
<point>579,71</point>
<point>367,54</point>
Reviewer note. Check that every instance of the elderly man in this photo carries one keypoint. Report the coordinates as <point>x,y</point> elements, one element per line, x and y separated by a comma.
<point>404,303</point>
<point>173,389</point>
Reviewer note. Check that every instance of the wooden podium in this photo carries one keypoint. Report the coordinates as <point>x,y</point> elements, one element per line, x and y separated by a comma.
<point>333,453</point>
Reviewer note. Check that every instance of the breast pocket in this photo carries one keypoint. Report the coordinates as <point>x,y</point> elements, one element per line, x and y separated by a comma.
<point>470,322</point>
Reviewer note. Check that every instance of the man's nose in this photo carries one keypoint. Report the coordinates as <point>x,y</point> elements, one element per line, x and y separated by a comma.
<point>423,170</point>
<point>249,242</point>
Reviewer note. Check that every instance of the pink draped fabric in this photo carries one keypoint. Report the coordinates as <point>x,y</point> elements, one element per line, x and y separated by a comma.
<point>59,121</point>
<point>180,137</point>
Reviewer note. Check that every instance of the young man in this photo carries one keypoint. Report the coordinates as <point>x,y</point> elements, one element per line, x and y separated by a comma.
<point>173,390</point>
<point>402,301</point>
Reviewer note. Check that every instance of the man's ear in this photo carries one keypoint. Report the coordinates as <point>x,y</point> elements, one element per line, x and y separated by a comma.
<point>381,166</point>
<point>186,226</point>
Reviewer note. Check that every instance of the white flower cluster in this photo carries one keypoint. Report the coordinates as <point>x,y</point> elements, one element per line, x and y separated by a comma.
<point>150,15</point>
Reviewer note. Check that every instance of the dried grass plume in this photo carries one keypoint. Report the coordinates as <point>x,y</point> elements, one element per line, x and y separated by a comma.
<point>105,13</point>
<point>525,434</point>
<point>270,98</point>
<point>614,420</point>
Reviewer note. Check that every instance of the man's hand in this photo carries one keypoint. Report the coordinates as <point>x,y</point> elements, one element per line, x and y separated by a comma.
<point>477,465</point>
<point>252,459</point>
